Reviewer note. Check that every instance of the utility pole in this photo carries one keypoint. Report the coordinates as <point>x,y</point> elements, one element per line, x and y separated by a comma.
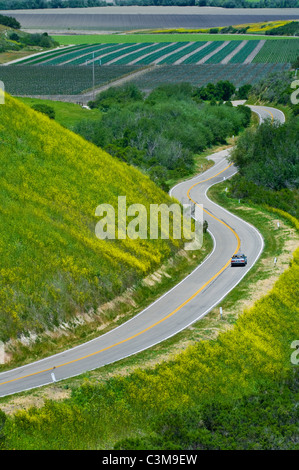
<point>93,76</point>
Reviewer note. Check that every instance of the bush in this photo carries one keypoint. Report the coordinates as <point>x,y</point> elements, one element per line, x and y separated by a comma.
<point>45,109</point>
<point>14,37</point>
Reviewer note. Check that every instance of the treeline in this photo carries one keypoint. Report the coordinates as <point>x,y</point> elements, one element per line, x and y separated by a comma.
<point>250,4</point>
<point>35,4</point>
<point>268,165</point>
<point>162,133</point>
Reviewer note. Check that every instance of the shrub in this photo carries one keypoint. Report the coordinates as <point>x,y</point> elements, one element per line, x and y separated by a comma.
<point>45,109</point>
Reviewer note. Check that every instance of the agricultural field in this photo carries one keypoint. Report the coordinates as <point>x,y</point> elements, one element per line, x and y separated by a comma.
<point>67,40</point>
<point>192,52</point>
<point>57,80</point>
<point>127,18</point>
<point>73,80</point>
<point>199,75</point>
<point>69,71</point>
<point>284,51</point>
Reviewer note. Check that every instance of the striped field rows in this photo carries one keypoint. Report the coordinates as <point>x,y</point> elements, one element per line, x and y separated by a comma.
<point>171,53</point>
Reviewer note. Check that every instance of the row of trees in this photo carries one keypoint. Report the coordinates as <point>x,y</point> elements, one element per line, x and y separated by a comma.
<point>33,4</point>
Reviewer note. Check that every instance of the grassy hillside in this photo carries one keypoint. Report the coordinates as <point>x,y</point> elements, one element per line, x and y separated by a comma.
<point>15,44</point>
<point>238,391</point>
<point>52,265</point>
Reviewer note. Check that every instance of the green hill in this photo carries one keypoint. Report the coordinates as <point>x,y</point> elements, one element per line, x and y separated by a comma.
<point>52,264</point>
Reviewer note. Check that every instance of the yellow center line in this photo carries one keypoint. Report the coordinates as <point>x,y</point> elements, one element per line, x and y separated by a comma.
<point>162,319</point>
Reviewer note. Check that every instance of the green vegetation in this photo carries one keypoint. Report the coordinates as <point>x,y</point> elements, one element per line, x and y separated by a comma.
<point>163,132</point>
<point>261,155</point>
<point>28,80</point>
<point>12,39</point>
<point>211,396</point>
<point>276,89</point>
<point>45,109</point>
<point>140,53</point>
<point>289,29</point>
<point>66,114</point>
<point>238,391</point>
<point>51,184</point>
<point>9,21</point>
<point>33,4</point>
<point>154,37</point>
<point>221,91</point>
<point>285,51</point>
<point>217,3</point>
<point>199,75</point>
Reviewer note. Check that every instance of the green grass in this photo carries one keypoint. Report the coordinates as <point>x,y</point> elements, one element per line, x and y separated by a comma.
<point>134,38</point>
<point>66,114</point>
<point>103,408</point>
<point>52,264</point>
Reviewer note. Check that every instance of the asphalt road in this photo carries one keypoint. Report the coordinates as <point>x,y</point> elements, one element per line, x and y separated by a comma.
<point>183,305</point>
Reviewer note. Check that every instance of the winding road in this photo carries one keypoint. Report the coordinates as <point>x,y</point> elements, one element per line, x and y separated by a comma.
<point>183,305</point>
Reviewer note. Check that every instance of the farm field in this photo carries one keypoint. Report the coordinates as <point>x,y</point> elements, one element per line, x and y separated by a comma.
<point>287,51</point>
<point>192,52</point>
<point>73,80</point>
<point>199,75</point>
<point>58,80</point>
<point>72,39</point>
<point>135,17</point>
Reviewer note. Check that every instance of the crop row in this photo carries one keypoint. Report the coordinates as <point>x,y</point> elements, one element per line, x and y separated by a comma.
<point>284,51</point>
<point>199,75</point>
<point>72,80</point>
<point>57,80</point>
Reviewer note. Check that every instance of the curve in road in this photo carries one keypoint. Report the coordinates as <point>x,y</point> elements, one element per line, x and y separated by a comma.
<point>178,308</point>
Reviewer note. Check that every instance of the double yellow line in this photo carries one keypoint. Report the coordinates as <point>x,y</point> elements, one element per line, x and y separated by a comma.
<point>158,322</point>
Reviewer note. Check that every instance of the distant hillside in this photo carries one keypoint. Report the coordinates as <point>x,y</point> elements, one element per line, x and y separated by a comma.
<point>52,265</point>
<point>13,39</point>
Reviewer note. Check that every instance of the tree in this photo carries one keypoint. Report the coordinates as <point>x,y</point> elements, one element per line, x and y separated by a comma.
<point>224,90</point>
<point>243,91</point>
